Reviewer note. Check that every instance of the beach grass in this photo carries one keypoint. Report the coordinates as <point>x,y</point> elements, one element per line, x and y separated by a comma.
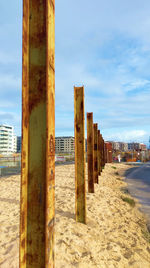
<point>113,167</point>
<point>146,235</point>
<point>128,200</point>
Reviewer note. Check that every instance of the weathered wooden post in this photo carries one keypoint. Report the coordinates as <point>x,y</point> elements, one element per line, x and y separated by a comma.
<point>95,126</point>
<point>80,203</point>
<point>38,135</point>
<point>90,145</point>
<point>99,154</point>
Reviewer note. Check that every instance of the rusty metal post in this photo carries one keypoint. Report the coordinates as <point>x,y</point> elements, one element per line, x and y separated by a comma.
<point>95,126</point>
<point>99,154</point>
<point>90,144</point>
<point>38,135</point>
<point>80,203</point>
<point>103,156</point>
<point>106,152</point>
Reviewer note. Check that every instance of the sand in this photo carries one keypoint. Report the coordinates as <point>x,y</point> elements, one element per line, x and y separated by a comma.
<point>115,234</point>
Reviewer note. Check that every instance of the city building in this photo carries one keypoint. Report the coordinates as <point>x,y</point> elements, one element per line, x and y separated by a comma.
<point>115,146</point>
<point>120,146</point>
<point>143,147</point>
<point>134,146</point>
<point>64,144</point>
<point>19,144</point>
<point>7,140</point>
<point>123,146</point>
<point>15,144</point>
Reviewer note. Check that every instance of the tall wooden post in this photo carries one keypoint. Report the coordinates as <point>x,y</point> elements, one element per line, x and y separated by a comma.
<point>95,126</point>
<point>38,135</point>
<point>80,204</point>
<point>90,145</point>
<point>99,154</point>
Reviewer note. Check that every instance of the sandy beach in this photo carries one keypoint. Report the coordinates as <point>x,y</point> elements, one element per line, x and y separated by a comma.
<point>115,234</point>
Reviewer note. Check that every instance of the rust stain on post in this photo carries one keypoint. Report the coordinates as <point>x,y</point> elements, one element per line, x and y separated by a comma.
<point>90,145</point>
<point>25,126</point>
<point>80,195</point>
<point>95,127</point>
<point>38,135</point>
<point>99,154</point>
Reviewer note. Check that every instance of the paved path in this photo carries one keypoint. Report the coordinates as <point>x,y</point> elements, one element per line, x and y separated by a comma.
<point>138,180</point>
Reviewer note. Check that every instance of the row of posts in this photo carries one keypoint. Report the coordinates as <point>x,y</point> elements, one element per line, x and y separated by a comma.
<point>37,198</point>
<point>95,154</point>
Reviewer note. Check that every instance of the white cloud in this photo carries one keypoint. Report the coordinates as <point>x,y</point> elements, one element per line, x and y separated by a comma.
<point>103,45</point>
<point>7,104</point>
<point>127,136</point>
<point>137,84</point>
<point>8,80</point>
<point>12,119</point>
<point>7,58</point>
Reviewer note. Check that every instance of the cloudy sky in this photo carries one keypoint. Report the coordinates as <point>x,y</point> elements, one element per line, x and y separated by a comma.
<point>103,45</point>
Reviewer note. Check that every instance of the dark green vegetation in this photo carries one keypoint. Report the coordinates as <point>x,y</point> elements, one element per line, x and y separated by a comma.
<point>146,235</point>
<point>128,200</point>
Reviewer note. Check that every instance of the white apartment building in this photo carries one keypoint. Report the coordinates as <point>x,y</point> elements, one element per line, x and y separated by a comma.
<point>120,146</point>
<point>15,144</point>
<point>115,146</point>
<point>8,142</point>
<point>64,144</point>
<point>123,146</point>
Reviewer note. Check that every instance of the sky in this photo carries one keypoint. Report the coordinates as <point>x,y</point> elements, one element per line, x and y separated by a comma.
<point>103,45</point>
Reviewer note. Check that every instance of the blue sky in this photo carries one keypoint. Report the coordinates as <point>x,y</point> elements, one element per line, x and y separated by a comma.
<point>103,45</point>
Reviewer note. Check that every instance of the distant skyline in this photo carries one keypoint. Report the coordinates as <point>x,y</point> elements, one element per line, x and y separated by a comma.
<point>104,46</point>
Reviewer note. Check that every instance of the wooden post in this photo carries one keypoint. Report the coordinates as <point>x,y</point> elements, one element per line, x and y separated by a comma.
<point>37,206</point>
<point>80,204</point>
<point>99,154</point>
<point>95,126</point>
<point>90,144</point>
